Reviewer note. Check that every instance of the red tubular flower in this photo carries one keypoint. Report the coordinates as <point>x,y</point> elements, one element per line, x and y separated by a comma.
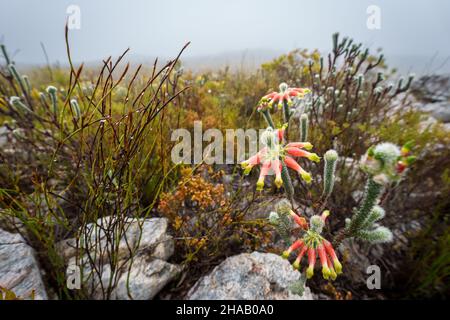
<point>311,262</point>
<point>262,175</point>
<point>332,254</point>
<point>324,215</point>
<point>320,247</point>
<point>299,220</point>
<point>254,160</point>
<point>333,274</point>
<point>270,95</point>
<point>323,261</point>
<point>297,261</point>
<point>291,163</point>
<point>293,92</point>
<point>285,95</point>
<point>314,244</point>
<point>280,135</point>
<point>302,145</point>
<point>276,167</point>
<point>296,152</point>
<point>275,154</point>
<point>296,245</point>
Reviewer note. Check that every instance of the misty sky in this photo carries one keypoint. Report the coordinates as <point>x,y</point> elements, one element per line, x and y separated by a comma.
<point>161,27</point>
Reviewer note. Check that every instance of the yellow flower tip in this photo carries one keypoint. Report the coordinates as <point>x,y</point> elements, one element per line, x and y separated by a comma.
<point>309,272</point>
<point>306,176</point>
<point>278,182</point>
<point>244,164</point>
<point>259,185</point>
<point>326,272</point>
<point>337,266</point>
<point>248,169</point>
<point>325,214</point>
<point>285,254</point>
<point>404,151</point>
<point>314,157</point>
<point>306,91</point>
<point>333,274</point>
<point>296,264</point>
<point>307,146</point>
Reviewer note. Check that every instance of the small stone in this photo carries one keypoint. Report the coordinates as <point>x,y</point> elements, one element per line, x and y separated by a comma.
<point>19,269</point>
<point>141,270</point>
<point>255,276</point>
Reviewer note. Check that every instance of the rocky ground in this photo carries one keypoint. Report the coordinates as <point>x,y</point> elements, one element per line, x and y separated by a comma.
<point>432,95</point>
<point>244,276</point>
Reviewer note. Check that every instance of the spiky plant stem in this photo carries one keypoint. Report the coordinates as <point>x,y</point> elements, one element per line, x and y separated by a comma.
<point>304,123</point>
<point>371,195</point>
<point>329,171</point>
<point>268,118</point>
<point>287,183</point>
<point>19,107</point>
<point>52,93</point>
<point>27,83</point>
<point>286,112</point>
<point>12,69</point>
<point>286,117</point>
<point>75,108</point>
<point>5,54</point>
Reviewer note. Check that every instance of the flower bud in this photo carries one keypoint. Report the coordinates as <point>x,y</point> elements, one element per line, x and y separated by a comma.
<point>316,224</point>
<point>274,218</point>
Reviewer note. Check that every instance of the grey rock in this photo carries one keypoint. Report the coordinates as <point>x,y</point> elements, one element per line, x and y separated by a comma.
<point>442,114</point>
<point>19,269</point>
<point>152,232</point>
<point>141,271</point>
<point>439,110</point>
<point>146,277</point>
<point>255,276</point>
<point>433,88</point>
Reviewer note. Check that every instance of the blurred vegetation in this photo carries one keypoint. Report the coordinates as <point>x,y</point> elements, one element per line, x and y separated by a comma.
<point>61,171</point>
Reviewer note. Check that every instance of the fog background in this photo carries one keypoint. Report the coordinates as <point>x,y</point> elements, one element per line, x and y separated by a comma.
<point>414,35</point>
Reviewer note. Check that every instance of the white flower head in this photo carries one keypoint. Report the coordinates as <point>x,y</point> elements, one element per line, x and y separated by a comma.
<point>381,162</point>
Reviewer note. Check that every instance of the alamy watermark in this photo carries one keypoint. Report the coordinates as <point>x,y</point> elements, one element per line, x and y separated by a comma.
<point>73,280</point>
<point>374,19</point>
<point>73,12</point>
<point>374,280</point>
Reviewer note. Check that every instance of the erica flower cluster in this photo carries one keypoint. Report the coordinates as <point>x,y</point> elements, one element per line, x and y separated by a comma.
<point>284,96</point>
<point>275,154</point>
<point>386,162</point>
<point>313,244</point>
